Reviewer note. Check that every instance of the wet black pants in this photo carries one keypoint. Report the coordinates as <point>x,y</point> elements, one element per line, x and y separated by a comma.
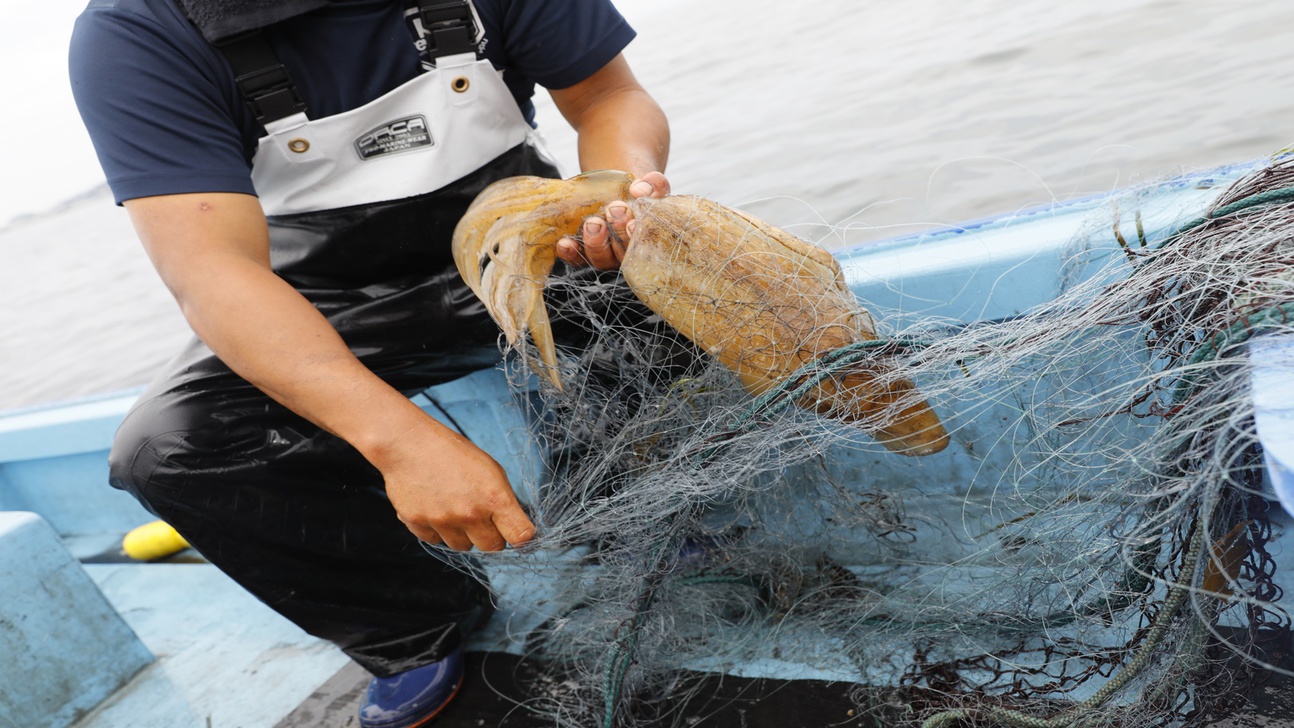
<point>297,516</point>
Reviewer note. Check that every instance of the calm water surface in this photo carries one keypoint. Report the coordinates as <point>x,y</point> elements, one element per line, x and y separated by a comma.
<point>845,120</point>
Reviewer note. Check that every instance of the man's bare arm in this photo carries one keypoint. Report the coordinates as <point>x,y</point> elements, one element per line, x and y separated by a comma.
<point>212,251</point>
<point>621,127</point>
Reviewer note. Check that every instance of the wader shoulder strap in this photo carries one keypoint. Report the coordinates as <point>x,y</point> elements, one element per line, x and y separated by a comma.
<point>234,30</point>
<point>265,83</point>
<point>446,27</point>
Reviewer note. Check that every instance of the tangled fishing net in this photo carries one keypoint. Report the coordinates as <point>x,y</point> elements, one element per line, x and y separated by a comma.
<point>1090,550</point>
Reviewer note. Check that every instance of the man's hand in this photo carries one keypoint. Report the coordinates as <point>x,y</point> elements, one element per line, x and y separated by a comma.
<point>447,490</point>
<point>602,240</point>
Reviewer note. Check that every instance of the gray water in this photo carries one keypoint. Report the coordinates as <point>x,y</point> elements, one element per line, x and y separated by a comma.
<point>843,120</point>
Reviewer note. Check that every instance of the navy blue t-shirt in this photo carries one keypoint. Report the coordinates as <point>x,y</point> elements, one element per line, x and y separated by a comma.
<point>166,117</point>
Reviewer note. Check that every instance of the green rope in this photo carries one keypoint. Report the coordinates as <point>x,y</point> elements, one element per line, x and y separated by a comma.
<point>619,665</point>
<point>1237,333</point>
<point>623,652</point>
<point>801,382</point>
<point>1270,197</point>
<point>810,375</point>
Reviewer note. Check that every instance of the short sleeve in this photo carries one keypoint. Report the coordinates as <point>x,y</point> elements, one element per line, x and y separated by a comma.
<point>558,43</point>
<point>159,120</point>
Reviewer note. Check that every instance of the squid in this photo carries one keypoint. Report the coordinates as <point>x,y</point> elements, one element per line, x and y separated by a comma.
<point>759,300</point>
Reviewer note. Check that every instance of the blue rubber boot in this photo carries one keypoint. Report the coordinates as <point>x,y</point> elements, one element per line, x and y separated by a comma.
<point>414,697</point>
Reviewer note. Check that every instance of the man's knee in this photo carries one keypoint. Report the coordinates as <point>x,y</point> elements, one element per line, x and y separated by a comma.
<point>145,455</point>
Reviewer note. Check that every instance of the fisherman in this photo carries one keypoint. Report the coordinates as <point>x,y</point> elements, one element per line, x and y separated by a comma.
<point>294,170</point>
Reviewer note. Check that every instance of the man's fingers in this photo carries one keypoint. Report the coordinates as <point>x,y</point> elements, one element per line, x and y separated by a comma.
<point>652,184</point>
<point>597,244</point>
<point>487,538</point>
<point>570,251</point>
<point>455,539</point>
<point>514,526</point>
<point>511,528</point>
<point>618,214</point>
<point>422,531</point>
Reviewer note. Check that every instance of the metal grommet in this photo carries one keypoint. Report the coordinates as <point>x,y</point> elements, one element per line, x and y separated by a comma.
<point>299,145</point>
<point>460,84</point>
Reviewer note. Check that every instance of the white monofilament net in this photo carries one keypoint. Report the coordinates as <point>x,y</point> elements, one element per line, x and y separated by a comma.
<point>1089,551</point>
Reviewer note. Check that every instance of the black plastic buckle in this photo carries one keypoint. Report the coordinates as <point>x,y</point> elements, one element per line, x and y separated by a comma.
<point>450,28</point>
<point>270,93</point>
<point>265,84</point>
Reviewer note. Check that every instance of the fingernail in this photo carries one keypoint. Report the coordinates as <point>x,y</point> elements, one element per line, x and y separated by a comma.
<point>640,188</point>
<point>593,227</point>
<point>630,226</point>
<point>617,212</point>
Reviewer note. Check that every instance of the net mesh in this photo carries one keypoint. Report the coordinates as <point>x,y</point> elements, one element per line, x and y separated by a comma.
<point>1090,550</point>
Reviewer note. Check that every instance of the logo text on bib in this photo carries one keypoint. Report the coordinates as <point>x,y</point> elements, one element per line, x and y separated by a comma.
<point>401,135</point>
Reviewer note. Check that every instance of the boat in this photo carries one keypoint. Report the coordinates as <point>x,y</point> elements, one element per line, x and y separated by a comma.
<point>177,644</point>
